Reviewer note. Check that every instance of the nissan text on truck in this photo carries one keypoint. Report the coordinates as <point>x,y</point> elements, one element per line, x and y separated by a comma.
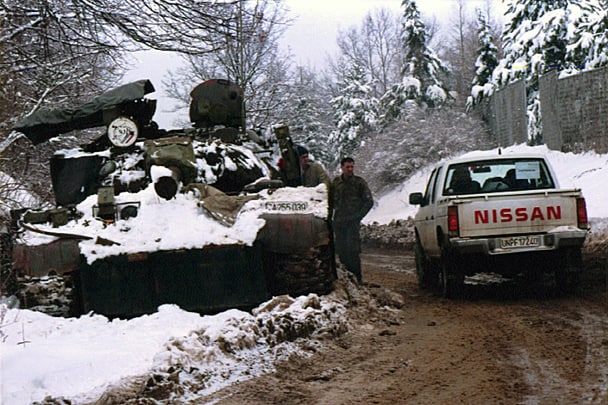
<point>497,213</point>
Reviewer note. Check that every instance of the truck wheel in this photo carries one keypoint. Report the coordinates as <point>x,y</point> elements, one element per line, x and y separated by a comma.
<point>451,277</point>
<point>567,275</point>
<point>427,274</point>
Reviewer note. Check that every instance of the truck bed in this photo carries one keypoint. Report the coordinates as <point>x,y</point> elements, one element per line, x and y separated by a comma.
<point>515,213</point>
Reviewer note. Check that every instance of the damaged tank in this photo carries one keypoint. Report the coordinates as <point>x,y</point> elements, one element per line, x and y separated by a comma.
<point>200,217</point>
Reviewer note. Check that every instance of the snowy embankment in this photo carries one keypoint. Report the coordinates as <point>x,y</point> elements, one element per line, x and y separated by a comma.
<point>88,358</point>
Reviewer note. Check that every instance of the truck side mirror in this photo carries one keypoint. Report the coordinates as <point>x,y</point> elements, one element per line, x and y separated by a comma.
<point>416,198</point>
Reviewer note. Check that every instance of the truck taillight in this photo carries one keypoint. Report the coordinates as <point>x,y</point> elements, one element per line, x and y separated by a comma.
<point>453,220</point>
<point>581,213</point>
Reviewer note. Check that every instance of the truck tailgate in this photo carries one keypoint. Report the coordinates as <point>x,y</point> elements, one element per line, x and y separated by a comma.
<point>516,212</point>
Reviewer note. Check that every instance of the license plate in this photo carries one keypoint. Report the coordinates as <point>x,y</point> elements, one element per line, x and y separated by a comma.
<point>292,206</point>
<point>519,241</point>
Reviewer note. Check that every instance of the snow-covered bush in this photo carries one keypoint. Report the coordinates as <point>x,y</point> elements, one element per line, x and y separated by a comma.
<point>390,156</point>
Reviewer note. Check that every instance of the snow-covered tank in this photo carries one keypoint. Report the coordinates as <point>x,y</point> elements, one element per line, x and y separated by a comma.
<point>197,217</point>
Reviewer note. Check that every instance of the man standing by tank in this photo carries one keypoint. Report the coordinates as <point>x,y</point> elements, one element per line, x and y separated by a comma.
<point>350,200</point>
<point>312,173</point>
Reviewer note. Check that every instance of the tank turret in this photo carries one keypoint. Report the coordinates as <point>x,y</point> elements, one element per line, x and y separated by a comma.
<point>211,152</point>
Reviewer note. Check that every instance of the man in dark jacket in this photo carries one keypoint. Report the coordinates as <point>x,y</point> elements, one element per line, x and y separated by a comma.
<point>350,201</point>
<point>312,173</point>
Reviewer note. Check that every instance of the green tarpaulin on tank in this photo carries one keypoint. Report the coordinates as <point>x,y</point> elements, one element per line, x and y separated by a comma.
<point>43,125</point>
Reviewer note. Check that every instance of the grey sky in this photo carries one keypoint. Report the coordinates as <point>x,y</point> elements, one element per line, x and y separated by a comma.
<point>317,22</point>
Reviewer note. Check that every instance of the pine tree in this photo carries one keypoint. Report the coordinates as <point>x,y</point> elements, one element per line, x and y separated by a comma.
<point>355,111</point>
<point>540,39</point>
<point>423,72</point>
<point>487,61</point>
<point>589,42</point>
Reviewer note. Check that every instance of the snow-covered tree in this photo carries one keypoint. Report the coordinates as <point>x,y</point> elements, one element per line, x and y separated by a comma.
<point>355,111</point>
<point>374,45</point>
<point>423,72</point>
<point>589,41</point>
<point>459,50</point>
<point>52,55</point>
<point>388,158</point>
<point>487,61</point>
<point>543,36</point>
<point>187,26</point>
<point>308,114</point>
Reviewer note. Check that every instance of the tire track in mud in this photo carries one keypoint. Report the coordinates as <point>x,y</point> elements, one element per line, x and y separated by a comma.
<point>557,349</point>
<point>390,262</point>
<point>538,376</point>
<point>548,348</point>
<point>595,332</point>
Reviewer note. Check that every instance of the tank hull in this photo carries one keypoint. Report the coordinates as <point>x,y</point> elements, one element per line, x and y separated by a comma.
<point>292,255</point>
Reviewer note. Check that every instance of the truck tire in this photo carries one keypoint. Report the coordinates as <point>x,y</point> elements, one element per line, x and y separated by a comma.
<point>426,272</point>
<point>567,274</point>
<point>451,278</point>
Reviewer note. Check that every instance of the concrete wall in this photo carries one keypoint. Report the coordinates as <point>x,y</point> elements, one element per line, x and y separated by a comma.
<point>574,112</point>
<point>506,114</point>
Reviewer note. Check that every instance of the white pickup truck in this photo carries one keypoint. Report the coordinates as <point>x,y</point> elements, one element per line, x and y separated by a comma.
<point>497,213</point>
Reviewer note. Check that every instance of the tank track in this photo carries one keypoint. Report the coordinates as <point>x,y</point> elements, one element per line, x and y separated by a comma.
<point>308,272</point>
<point>52,295</point>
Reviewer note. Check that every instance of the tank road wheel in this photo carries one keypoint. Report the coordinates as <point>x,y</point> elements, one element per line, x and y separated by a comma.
<point>451,279</point>
<point>426,272</point>
<point>567,274</point>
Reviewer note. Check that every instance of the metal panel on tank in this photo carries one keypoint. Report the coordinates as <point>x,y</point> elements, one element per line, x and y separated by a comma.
<point>206,280</point>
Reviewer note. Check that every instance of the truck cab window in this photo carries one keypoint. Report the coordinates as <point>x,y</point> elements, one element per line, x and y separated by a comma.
<point>430,185</point>
<point>435,186</point>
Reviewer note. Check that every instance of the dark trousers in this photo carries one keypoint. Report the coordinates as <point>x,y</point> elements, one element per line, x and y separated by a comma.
<point>348,247</point>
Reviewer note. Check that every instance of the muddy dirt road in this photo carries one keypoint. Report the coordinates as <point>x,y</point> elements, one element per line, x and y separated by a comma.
<point>500,344</point>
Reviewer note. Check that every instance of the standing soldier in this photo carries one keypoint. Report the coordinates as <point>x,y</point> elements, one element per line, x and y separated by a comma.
<point>350,201</point>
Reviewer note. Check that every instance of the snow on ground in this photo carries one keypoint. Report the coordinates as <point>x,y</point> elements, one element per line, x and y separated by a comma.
<point>79,358</point>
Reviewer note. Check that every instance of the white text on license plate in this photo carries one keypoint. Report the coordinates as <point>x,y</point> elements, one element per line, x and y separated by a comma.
<point>519,241</point>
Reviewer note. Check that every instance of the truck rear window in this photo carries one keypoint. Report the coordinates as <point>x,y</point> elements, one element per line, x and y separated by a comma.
<point>491,176</point>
